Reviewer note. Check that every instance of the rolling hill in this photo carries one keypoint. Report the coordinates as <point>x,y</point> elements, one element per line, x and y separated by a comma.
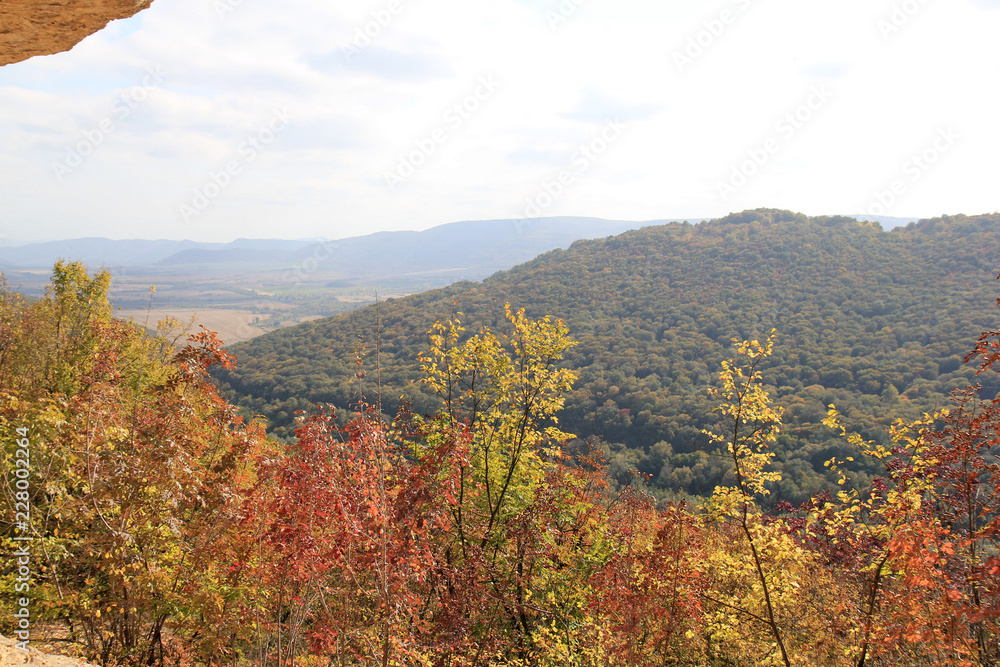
<point>127,253</point>
<point>875,321</point>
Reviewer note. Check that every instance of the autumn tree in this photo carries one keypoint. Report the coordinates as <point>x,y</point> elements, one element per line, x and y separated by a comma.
<point>647,599</point>
<point>915,550</point>
<point>135,465</point>
<point>764,593</point>
<point>344,558</point>
<point>502,392</point>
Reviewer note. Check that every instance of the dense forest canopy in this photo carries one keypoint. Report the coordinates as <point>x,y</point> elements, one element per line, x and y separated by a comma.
<point>877,322</point>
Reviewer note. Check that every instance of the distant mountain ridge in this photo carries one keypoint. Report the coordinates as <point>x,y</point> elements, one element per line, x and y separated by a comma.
<point>96,251</point>
<point>483,246</point>
<point>489,244</point>
<point>476,248</point>
<point>410,261</point>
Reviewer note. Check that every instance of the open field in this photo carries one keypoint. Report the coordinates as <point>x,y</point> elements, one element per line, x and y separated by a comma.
<point>231,325</point>
<point>238,305</point>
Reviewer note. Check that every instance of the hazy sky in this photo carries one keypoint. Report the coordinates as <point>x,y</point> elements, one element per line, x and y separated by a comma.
<point>216,119</point>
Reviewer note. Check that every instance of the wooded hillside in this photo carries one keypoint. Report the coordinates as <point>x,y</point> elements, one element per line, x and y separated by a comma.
<point>876,322</point>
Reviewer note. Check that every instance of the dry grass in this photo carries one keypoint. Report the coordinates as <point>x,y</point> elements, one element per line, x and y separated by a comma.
<point>232,326</point>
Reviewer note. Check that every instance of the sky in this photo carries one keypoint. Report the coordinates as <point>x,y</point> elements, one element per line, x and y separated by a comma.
<point>217,119</point>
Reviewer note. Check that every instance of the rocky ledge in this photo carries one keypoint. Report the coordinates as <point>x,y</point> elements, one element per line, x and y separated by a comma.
<point>43,27</point>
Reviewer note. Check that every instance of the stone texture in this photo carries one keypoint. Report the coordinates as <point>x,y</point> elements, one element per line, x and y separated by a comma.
<point>42,27</point>
<point>9,655</point>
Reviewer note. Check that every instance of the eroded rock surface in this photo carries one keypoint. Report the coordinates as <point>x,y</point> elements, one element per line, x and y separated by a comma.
<point>10,655</point>
<point>43,27</point>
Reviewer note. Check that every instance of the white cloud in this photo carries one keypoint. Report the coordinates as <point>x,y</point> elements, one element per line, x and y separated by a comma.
<point>358,112</point>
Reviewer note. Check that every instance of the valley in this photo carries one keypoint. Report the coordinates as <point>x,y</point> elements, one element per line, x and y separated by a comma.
<point>245,288</point>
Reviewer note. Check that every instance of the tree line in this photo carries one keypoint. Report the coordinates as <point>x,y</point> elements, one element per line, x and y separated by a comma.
<point>167,529</point>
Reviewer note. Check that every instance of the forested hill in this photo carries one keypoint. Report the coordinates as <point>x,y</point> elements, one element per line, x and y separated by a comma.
<point>877,322</point>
